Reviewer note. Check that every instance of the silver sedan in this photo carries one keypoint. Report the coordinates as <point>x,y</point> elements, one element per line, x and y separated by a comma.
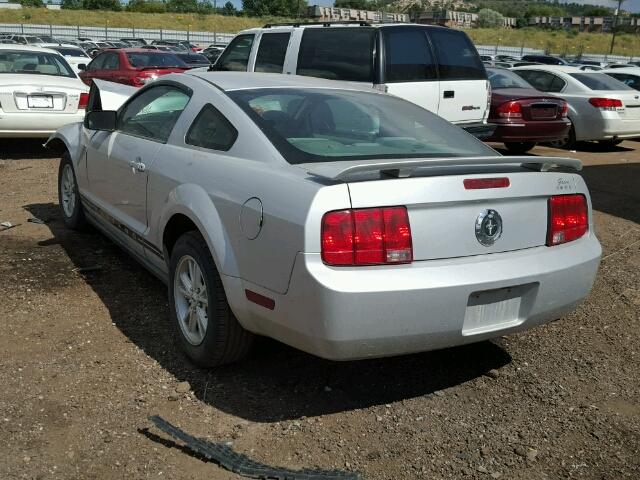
<point>340,220</point>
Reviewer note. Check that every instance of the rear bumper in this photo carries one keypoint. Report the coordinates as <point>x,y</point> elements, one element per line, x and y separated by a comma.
<point>35,124</point>
<point>479,130</point>
<point>531,131</point>
<point>353,313</point>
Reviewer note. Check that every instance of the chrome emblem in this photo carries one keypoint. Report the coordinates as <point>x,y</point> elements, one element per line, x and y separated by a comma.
<point>488,227</point>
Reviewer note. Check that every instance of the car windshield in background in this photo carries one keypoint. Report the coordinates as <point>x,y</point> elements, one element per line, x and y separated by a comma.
<point>319,125</point>
<point>599,81</point>
<point>500,78</point>
<point>70,52</point>
<point>37,63</point>
<point>154,60</point>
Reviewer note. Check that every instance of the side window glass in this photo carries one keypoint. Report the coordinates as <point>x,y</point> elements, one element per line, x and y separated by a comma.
<point>557,84</point>
<point>407,56</point>
<point>337,53</point>
<point>211,130</point>
<point>236,56</point>
<point>97,62</point>
<point>111,62</point>
<point>539,80</point>
<point>153,113</point>
<point>457,57</point>
<point>271,52</point>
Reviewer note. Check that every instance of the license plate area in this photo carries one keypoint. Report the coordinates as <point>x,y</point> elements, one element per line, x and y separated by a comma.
<point>40,101</point>
<point>497,309</point>
<point>542,112</point>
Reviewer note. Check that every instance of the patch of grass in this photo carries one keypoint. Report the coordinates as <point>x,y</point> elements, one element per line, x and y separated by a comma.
<point>558,41</point>
<point>99,18</point>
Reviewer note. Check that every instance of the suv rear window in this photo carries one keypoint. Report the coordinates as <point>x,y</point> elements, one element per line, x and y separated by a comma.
<point>339,53</point>
<point>408,56</point>
<point>457,57</point>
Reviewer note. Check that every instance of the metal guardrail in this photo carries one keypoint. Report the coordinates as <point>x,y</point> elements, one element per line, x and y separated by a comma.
<point>520,51</point>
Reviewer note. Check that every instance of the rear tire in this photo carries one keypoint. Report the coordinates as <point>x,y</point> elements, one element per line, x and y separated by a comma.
<point>204,324</point>
<point>568,142</point>
<point>519,147</point>
<point>69,195</point>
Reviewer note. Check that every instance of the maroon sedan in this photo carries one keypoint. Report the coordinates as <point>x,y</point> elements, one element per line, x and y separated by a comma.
<point>524,115</point>
<point>132,66</point>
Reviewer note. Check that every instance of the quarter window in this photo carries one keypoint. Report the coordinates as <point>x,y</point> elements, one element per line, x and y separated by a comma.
<point>271,52</point>
<point>408,56</point>
<point>236,55</point>
<point>337,53</point>
<point>457,57</point>
<point>211,130</point>
<point>153,113</point>
<point>543,81</point>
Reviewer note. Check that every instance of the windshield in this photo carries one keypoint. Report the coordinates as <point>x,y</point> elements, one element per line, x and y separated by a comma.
<point>500,78</point>
<point>71,52</point>
<point>322,125</point>
<point>37,63</point>
<point>599,81</point>
<point>154,59</point>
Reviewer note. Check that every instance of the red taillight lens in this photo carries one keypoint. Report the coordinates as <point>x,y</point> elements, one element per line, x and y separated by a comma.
<point>510,110</point>
<point>367,236</point>
<point>84,101</point>
<point>568,218</point>
<point>606,103</point>
<point>479,183</point>
<point>565,110</point>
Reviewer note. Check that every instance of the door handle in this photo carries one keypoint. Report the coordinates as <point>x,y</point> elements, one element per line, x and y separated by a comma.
<point>137,165</point>
<point>449,94</point>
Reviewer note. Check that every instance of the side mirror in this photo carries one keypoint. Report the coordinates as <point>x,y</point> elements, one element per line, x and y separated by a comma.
<point>104,120</point>
<point>82,66</point>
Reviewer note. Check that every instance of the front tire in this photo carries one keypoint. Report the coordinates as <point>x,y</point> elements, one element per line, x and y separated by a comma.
<point>519,147</point>
<point>69,195</point>
<point>204,324</point>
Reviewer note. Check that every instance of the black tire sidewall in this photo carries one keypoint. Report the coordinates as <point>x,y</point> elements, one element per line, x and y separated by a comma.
<point>76,220</point>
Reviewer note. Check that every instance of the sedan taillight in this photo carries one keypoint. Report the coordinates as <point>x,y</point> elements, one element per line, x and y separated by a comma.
<point>511,109</point>
<point>568,218</point>
<point>84,101</point>
<point>564,113</point>
<point>606,103</point>
<point>367,236</point>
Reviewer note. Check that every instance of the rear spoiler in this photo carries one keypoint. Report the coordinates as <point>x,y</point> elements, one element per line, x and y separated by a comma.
<point>404,168</point>
<point>105,95</point>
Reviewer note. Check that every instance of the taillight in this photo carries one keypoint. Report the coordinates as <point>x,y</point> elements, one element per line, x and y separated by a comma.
<point>367,236</point>
<point>511,109</point>
<point>568,218</point>
<point>84,101</point>
<point>564,113</point>
<point>606,103</point>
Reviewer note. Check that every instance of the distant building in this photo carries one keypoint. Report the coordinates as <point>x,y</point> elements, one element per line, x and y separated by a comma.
<point>332,14</point>
<point>456,19</point>
<point>9,6</point>
<point>586,24</point>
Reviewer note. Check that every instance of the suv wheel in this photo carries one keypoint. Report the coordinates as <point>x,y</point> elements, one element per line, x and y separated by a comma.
<point>206,328</point>
<point>69,196</point>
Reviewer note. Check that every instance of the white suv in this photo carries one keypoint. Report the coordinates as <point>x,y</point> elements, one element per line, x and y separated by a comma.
<point>435,67</point>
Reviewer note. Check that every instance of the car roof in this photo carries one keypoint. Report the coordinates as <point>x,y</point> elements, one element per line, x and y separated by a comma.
<point>324,25</point>
<point>141,50</point>
<point>26,48</point>
<point>630,70</point>
<point>61,45</point>
<point>230,81</point>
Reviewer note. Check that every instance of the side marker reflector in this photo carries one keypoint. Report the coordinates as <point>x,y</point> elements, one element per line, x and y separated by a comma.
<point>261,300</point>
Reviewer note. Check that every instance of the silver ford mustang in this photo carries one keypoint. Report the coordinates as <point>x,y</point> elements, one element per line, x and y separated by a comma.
<point>340,220</point>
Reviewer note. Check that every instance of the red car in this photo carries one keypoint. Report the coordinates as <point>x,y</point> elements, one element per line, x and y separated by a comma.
<point>131,66</point>
<point>524,115</point>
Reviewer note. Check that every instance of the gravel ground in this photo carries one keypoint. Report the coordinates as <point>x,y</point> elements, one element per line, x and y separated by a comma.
<point>86,357</point>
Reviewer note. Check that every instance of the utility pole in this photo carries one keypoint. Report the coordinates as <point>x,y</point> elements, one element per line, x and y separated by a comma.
<point>615,26</point>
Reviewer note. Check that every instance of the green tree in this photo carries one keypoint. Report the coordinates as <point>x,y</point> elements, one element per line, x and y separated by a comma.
<point>32,3</point>
<point>71,4</point>
<point>276,8</point>
<point>488,18</point>
<point>358,4</point>
<point>101,5</point>
<point>146,6</point>
<point>228,9</point>
<point>182,6</point>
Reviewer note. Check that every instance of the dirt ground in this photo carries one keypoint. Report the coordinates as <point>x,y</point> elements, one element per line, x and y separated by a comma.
<point>86,356</point>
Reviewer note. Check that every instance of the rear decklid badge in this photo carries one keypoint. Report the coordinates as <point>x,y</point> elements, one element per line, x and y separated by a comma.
<point>488,227</point>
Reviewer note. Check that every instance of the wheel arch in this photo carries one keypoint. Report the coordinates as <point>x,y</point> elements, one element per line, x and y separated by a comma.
<point>69,139</point>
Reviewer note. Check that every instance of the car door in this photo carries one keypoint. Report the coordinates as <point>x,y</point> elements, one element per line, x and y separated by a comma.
<point>118,162</point>
<point>93,69</point>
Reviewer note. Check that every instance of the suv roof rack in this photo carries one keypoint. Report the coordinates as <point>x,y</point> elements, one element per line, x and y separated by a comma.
<point>324,24</point>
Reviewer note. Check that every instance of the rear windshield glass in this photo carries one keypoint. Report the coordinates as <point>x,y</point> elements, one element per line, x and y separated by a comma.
<point>457,57</point>
<point>501,78</point>
<point>192,58</point>
<point>599,81</point>
<point>337,53</point>
<point>154,59</point>
<point>71,52</point>
<point>322,125</point>
<point>35,63</point>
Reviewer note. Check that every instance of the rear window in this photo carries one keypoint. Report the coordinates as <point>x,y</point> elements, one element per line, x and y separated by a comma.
<point>193,58</point>
<point>337,53</point>
<point>501,78</point>
<point>71,52</point>
<point>408,56</point>
<point>154,60</point>
<point>457,57</point>
<point>599,81</point>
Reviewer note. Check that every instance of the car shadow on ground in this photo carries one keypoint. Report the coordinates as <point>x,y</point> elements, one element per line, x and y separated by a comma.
<point>23,149</point>
<point>586,147</point>
<point>275,382</point>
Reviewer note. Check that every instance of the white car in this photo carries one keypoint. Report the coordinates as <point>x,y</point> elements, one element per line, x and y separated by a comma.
<point>629,76</point>
<point>600,107</point>
<point>73,54</point>
<point>340,220</point>
<point>27,40</point>
<point>39,92</point>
